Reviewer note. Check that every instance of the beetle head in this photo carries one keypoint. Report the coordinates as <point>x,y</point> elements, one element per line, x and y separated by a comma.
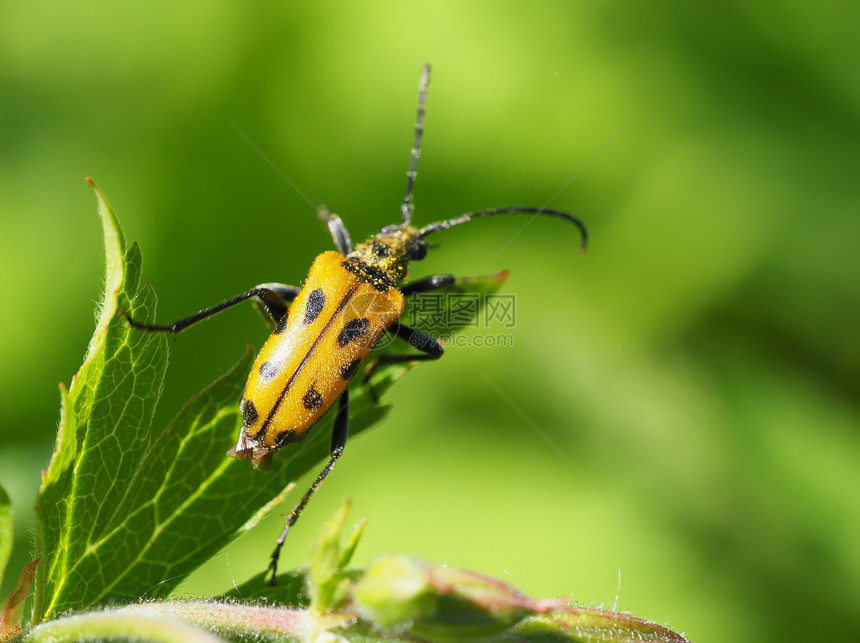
<point>387,254</point>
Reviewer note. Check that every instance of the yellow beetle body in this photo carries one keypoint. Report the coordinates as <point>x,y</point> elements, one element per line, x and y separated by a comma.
<point>307,363</point>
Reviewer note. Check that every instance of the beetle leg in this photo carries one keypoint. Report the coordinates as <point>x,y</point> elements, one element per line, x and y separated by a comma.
<point>433,282</point>
<point>272,298</point>
<point>274,301</point>
<point>338,442</point>
<point>417,338</point>
<point>429,347</point>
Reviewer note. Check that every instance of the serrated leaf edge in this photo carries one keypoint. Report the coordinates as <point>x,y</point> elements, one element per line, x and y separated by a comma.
<point>114,244</point>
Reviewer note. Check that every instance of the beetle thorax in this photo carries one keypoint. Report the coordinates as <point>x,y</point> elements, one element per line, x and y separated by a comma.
<point>383,259</point>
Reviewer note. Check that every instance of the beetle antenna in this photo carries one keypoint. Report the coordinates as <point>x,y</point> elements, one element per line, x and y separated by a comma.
<point>408,206</point>
<point>465,218</point>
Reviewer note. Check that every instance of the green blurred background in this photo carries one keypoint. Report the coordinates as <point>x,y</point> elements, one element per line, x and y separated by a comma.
<point>697,371</point>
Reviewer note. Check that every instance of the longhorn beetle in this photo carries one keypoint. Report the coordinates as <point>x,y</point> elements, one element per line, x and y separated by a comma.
<point>323,332</point>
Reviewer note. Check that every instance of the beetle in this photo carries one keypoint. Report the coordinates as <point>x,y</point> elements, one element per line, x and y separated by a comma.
<point>324,331</point>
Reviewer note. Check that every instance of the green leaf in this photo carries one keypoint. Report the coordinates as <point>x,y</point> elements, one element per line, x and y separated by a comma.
<point>347,551</point>
<point>7,530</point>
<point>437,603</point>
<point>588,625</point>
<point>104,432</point>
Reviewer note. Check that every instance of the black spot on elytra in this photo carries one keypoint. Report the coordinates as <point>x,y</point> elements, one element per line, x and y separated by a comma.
<point>249,413</point>
<point>268,370</point>
<point>282,324</point>
<point>316,302</point>
<point>284,438</point>
<point>352,331</point>
<point>348,370</point>
<point>312,399</point>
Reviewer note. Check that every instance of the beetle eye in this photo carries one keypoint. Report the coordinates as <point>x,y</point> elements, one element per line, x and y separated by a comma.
<point>418,251</point>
